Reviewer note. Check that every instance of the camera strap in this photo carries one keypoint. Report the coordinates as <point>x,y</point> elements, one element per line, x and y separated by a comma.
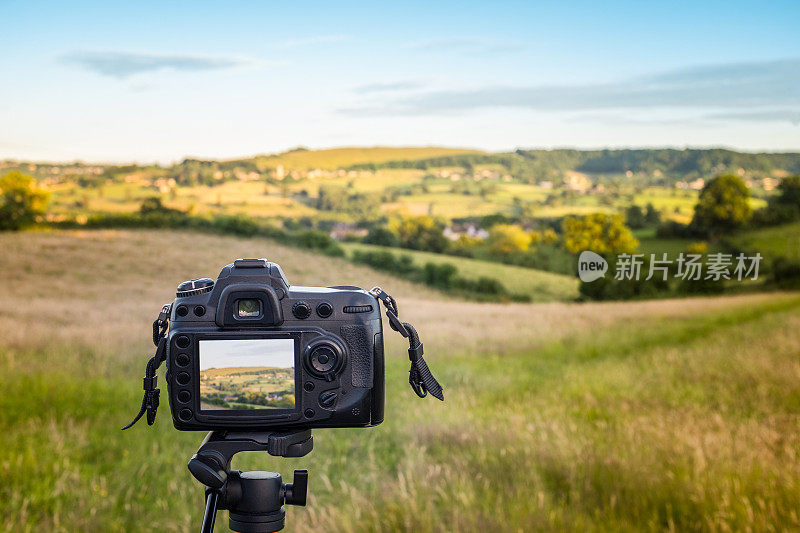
<point>151,392</point>
<point>419,377</point>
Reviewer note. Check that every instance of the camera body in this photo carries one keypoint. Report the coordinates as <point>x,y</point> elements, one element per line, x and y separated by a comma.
<point>249,351</point>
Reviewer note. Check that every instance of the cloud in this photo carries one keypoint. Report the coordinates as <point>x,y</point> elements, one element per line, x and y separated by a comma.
<point>391,86</point>
<point>318,39</point>
<point>122,65</point>
<point>775,115</point>
<point>741,87</point>
<point>463,44</point>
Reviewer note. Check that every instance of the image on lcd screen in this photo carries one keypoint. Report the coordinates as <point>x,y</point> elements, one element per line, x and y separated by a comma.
<point>247,374</point>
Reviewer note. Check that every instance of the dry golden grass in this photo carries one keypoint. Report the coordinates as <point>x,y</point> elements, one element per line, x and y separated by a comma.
<point>103,288</point>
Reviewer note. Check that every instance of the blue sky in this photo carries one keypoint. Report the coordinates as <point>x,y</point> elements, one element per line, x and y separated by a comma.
<point>153,81</point>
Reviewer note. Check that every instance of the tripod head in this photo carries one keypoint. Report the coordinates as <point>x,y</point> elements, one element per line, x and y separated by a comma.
<point>254,498</point>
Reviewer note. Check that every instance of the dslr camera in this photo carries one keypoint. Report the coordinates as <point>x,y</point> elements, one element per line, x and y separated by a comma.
<point>260,363</point>
<point>249,351</point>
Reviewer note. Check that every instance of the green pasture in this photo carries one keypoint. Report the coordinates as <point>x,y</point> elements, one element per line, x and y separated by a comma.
<point>776,241</point>
<point>538,284</point>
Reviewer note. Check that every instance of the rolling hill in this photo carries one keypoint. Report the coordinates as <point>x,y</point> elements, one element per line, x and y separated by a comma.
<point>335,158</point>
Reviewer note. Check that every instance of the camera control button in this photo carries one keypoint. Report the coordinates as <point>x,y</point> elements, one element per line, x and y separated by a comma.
<point>358,309</point>
<point>323,358</point>
<point>324,309</point>
<point>184,378</point>
<point>327,398</point>
<point>184,396</point>
<point>301,310</point>
<point>185,414</point>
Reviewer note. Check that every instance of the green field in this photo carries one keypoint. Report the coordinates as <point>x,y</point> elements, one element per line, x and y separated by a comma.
<point>540,285</point>
<point>247,388</point>
<point>643,416</point>
<point>777,241</point>
<point>334,158</point>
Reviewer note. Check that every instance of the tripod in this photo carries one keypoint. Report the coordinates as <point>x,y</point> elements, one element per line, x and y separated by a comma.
<point>253,498</point>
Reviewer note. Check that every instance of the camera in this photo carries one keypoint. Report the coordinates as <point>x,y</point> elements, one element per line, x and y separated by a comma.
<point>260,363</point>
<point>251,351</point>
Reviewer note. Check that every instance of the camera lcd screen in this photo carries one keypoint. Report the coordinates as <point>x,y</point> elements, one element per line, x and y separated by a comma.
<point>247,374</point>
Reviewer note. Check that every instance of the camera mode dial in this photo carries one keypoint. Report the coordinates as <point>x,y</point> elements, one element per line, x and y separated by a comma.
<point>195,286</point>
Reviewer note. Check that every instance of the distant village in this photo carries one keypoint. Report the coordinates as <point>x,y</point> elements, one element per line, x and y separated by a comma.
<point>54,174</point>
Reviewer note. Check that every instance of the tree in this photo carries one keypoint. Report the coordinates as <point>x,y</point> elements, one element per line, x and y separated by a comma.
<point>504,239</point>
<point>789,191</point>
<point>21,201</point>
<point>634,216</point>
<point>420,233</point>
<point>598,232</point>
<point>153,204</point>
<point>723,205</point>
<point>381,236</point>
<point>652,216</point>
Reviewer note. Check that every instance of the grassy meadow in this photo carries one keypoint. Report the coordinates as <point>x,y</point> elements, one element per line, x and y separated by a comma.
<point>775,241</point>
<point>652,415</point>
<point>539,285</point>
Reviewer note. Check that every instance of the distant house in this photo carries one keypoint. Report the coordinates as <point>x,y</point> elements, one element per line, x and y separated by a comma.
<point>577,182</point>
<point>455,231</point>
<point>697,184</point>
<point>342,230</point>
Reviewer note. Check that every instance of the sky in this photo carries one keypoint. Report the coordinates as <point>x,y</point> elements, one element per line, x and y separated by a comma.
<point>160,81</point>
<point>278,353</point>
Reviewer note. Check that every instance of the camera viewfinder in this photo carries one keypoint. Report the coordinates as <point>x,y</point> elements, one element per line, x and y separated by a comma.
<point>248,308</point>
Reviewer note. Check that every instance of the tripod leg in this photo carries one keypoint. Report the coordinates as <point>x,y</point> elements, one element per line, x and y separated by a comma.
<point>212,499</point>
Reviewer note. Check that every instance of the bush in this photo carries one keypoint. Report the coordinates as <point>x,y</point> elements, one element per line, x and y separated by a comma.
<point>241,225</point>
<point>21,201</point>
<point>775,214</point>
<point>549,257</point>
<point>328,247</point>
<point>439,275</point>
<point>443,276</point>
<point>386,261</point>
<point>483,285</point>
<point>599,233</point>
<point>786,273</point>
<point>675,230</point>
<point>609,288</point>
<point>382,237</point>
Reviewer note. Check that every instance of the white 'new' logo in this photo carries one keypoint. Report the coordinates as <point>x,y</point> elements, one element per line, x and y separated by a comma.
<point>591,266</point>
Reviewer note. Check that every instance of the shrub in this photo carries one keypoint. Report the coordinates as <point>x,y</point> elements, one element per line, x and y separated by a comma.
<point>439,275</point>
<point>443,276</point>
<point>382,237</point>
<point>318,241</point>
<point>21,201</point>
<point>786,273</point>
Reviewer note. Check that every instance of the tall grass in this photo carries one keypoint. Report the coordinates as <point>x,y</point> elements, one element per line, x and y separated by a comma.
<point>603,417</point>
